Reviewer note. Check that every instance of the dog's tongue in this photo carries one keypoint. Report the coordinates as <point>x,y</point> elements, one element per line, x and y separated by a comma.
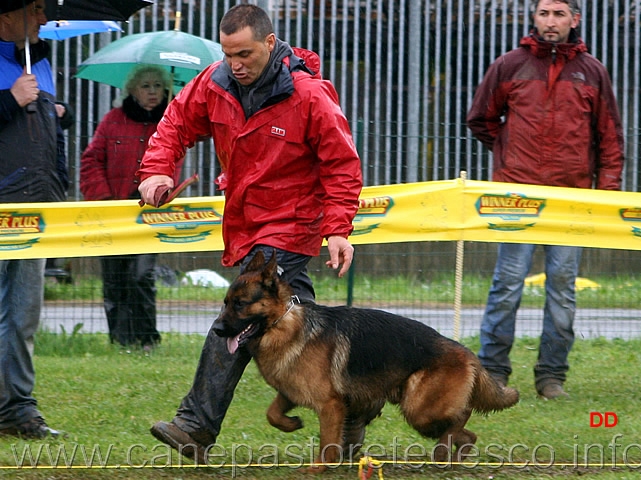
<point>232,344</point>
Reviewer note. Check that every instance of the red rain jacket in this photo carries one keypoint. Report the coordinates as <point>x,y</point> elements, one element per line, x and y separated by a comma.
<point>291,172</point>
<point>549,115</point>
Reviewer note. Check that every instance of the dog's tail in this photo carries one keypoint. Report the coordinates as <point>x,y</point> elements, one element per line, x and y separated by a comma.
<point>488,395</point>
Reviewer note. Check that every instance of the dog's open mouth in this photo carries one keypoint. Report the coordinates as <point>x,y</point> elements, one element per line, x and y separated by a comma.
<point>234,342</point>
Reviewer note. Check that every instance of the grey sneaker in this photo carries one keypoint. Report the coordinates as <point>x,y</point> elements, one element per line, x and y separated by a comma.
<point>169,433</point>
<point>552,391</point>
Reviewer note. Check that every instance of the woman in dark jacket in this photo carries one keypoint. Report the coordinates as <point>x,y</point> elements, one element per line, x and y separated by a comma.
<point>107,172</point>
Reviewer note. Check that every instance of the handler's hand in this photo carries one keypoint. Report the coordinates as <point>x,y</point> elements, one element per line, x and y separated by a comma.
<point>149,185</point>
<point>340,252</point>
<point>25,89</point>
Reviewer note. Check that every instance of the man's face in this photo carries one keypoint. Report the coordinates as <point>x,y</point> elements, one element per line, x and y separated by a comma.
<point>554,20</point>
<point>246,57</point>
<point>16,30</point>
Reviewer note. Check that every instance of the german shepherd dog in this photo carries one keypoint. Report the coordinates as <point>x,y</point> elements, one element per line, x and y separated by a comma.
<point>345,363</point>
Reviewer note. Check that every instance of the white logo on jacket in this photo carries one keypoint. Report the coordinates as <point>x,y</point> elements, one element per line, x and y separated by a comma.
<point>578,76</point>
<point>278,131</point>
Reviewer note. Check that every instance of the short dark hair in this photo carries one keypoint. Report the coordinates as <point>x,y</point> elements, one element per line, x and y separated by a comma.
<point>246,15</point>
<point>573,4</point>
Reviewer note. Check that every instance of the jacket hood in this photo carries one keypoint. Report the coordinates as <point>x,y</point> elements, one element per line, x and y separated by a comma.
<point>273,67</point>
<point>542,48</point>
<point>252,97</point>
<point>295,59</point>
<point>275,83</point>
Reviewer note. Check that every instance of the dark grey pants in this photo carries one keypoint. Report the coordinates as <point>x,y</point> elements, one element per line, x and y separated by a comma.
<point>129,290</point>
<point>203,409</point>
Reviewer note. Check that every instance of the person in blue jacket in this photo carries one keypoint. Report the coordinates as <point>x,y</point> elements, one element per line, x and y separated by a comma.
<point>32,169</point>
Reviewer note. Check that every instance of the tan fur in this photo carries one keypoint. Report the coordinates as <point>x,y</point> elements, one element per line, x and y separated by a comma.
<point>312,362</point>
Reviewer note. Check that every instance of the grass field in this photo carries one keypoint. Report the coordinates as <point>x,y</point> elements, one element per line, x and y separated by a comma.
<point>106,399</point>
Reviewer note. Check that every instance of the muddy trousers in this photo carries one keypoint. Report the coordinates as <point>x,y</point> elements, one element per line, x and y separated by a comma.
<point>203,409</point>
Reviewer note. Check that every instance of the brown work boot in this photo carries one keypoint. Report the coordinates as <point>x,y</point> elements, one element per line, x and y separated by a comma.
<point>35,428</point>
<point>552,391</point>
<point>169,433</point>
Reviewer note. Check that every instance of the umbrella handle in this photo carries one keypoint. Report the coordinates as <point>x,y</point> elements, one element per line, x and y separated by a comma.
<point>31,108</point>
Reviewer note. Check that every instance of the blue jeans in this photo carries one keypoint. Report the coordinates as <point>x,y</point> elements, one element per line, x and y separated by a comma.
<point>497,329</point>
<point>21,295</point>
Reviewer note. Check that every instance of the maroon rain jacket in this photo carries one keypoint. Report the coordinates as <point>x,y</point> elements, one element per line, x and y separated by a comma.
<point>548,113</point>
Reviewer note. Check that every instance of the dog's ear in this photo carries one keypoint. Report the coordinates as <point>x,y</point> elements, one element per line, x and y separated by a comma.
<point>270,272</point>
<point>256,263</point>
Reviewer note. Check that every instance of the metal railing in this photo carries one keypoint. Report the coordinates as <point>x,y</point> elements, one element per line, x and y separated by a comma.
<point>405,71</point>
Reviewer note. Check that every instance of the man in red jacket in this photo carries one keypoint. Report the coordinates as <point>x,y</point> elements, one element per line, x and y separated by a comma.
<point>291,176</point>
<point>548,113</point>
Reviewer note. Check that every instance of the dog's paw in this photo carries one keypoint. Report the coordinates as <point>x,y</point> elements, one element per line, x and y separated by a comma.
<point>287,424</point>
<point>315,469</point>
<point>441,453</point>
<point>294,423</point>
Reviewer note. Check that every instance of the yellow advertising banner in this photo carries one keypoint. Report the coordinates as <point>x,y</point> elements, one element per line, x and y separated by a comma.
<point>449,210</point>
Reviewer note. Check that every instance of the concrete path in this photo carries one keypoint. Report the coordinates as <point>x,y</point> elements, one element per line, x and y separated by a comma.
<point>589,323</point>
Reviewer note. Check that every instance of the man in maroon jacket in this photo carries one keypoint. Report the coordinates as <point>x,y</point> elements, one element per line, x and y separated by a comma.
<point>547,112</point>
<point>291,176</point>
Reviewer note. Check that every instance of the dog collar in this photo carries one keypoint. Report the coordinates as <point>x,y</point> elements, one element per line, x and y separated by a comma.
<point>293,300</point>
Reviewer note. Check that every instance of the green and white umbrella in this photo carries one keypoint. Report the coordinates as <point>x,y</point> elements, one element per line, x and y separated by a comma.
<point>182,54</point>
